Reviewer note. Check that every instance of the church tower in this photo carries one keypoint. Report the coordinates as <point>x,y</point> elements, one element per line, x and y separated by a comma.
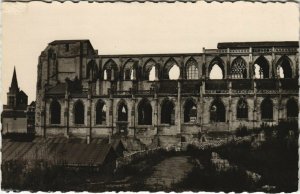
<point>13,91</point>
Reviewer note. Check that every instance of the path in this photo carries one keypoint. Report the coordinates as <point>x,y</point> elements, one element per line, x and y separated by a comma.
<point>169,171</point>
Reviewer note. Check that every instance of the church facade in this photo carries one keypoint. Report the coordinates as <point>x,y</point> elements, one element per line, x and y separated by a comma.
<point>164,98</point>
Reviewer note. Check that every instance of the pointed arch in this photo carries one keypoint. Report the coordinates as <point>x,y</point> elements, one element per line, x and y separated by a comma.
<point>149,67</point>
<point>144,112</point>
<point>110,68</point>
<point>261,68</point>
<point>238,68</point>
<point>168,112</point>
<point>55,112</point>
<point>217,111</point>
<point>292,110</point>
<point>192,69</point>
<point>266,109</point>
<point>242,109</point>
<point>92,70</point>
<point>128,69</point>
<point>216,68</point>
<point>190,111</point>
<point>284,67</point>
<point>78,112</point>
<point>122,111</point>
<point>100,112</point>
<point>171,66</point>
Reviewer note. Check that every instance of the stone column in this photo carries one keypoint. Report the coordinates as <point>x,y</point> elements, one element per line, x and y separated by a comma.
<point>250,65</point>
<point>179,107</point>
<point>273,67</point>
<point>227,65</point>
<point>229,106</point>
<point>155,111</point>
<point>255,116</point>
<point>133,116</point>
<point>66,114</point>
<point>89,117</point>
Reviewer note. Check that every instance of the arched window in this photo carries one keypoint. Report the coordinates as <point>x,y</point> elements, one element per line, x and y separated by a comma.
<point>100,112</point>
<point>292,109</point>
<point>149,70</point>
<point>266,109</point>
<point>242,109</point>
<point>261,68</point>
<point>105,75</point>
<point>216,69</point>
<point>55,112</point>
<point>192,69</point>
<point>122,112</point>
<point>79,113</point>
<point>128,69</point>
<point>171,70</point>
<point>92,70</point>
<point>168,113</point>
<point>284,68</point>
<point>238,68</point>
<point>217,111</point>
<point>190,111</point>
<point>144,113</point>
<point>151,75</point>
<point>111,70</point>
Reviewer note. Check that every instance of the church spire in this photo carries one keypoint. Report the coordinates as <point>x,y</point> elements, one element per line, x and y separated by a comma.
<point>14,83</point>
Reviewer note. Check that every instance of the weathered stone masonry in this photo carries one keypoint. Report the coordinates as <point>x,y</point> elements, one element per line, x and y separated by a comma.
<point>83,94</point>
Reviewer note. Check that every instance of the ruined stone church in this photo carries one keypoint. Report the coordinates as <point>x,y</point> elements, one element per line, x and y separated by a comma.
<point>165,97</point>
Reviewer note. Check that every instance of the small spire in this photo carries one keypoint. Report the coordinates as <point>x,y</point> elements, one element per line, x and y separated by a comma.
<point>14,82</point>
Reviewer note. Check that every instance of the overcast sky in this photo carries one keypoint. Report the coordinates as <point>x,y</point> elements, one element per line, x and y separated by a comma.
<point>132,28</point>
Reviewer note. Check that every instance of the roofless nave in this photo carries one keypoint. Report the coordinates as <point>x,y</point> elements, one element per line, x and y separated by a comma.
<point>81,93</point>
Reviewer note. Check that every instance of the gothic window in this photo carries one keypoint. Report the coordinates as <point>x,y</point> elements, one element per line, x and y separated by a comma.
<point>261,68</point>
<point>105,75</point>
<point>292,109</point>
<point>55,112</point>
<point>144,113</point>
<point>171,70</point>
<point>128,69</point>
<point>190,112</point>
<point>67,47</point>
<point>238,68</point>
<point>110,70</point>
<point>217,111</point>
<point>122,112</point>
<point>100,113</point>
<point>149,70</point>
<point>79,113</point>
<point>242,109</point>
<point>266,109</point>
<point>92,70</point>
<point>192,69</point>
<point>151,75</point>
<point>216,69</point>
<point>168,113</point>
<point>284,68</point>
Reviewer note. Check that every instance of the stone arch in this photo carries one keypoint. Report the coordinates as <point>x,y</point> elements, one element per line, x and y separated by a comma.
<point>144,112</point>
<point>100,109</point>
<point>242,109</point>
<point>192,69</point>
<point>217,111</point>
<point>266,108</point>
<point>129,69</point>
<point>122,110</point>
<point>168,112</point>
<point>92,70</point>
<point>238,68</point>
<point>171,63</point>
<point>110,70</point>
<point>148,68</point>
<point>216,62</point>
<point>292,110</point>
<point>284,67</point>
<point>55,112</point>
<point>79,112</point>
<point>261,68</point>
<point>190,111</point>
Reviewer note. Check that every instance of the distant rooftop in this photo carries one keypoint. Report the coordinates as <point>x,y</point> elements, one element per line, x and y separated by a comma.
<point>68,41</point>
<point>224,45</point>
